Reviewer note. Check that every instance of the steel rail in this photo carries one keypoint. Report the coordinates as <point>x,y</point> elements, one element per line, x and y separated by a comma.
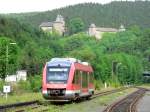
<point>18,104</point>
<point>133,105</point>
<point>127,104</point>
<point>108,92</point>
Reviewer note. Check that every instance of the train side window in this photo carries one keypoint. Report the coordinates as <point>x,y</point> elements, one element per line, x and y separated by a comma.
<point>76,78</point>
<point>91,77</point>
<point>84,79</point>
<point>81,77</point>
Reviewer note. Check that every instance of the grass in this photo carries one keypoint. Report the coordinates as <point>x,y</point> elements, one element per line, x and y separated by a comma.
<point>103,101</point>
<point>20,98</point>
<point>105,89</point>
<point>145,86</point>
<point>23,97</point>
<point>95,104</point>
<point>109,98</point>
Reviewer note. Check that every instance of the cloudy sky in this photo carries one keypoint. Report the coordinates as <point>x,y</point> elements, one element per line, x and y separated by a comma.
<point>15,6</point>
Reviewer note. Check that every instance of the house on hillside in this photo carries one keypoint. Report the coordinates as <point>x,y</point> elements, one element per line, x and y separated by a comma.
<point>58,25</point>
<point>97,32</point>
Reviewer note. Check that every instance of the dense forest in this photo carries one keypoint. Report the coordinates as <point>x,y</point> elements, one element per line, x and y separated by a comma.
<point>31,50</point>
<point>109,15</point>
<point>118,57</point>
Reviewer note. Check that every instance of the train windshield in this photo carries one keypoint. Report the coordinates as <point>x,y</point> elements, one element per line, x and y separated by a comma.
<point>57,75</point>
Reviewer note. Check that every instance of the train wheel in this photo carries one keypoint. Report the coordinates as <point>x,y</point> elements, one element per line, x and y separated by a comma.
<point>76,97</point>
<point>88,97</point>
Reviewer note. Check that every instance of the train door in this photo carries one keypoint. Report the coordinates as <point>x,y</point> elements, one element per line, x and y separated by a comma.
<point>84,82</point>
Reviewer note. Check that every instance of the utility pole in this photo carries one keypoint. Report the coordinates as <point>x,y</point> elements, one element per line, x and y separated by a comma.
<point>6,61</point>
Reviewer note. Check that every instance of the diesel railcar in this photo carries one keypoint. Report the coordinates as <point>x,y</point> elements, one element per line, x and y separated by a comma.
<point>66,79</point>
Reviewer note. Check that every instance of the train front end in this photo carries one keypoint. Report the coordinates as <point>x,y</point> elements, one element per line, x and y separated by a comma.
<point>56,85</point>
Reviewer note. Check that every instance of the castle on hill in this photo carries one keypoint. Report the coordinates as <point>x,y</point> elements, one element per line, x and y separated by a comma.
<point>97,32</point>
<point>59,26</point>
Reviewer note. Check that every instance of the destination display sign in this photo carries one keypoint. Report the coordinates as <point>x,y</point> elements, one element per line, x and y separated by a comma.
<point>58,69</point>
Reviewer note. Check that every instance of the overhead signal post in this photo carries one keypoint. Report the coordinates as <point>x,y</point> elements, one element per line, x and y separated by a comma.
<point>115,66</point>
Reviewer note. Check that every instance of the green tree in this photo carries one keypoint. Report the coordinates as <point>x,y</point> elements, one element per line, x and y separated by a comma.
<point>8,57</point>
<point>75,25</point>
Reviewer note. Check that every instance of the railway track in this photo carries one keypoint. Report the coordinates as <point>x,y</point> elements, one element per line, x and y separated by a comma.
<point>127,104</point>
<point>21,107</point>
<point>108,92</point>
<point>36,105</point>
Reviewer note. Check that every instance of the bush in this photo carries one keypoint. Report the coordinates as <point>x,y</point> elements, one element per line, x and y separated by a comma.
<point>98,84</point>
<point>36,83</point>
<point>1,85</point>
<point>114,82</point>
<point>24,85</point>
<point>33,84</point>
<point>20,87</point>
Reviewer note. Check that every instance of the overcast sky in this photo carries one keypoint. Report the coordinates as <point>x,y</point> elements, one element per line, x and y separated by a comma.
<point>15,6</point>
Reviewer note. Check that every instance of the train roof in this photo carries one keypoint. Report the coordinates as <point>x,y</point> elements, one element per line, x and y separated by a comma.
<point>64,62</point>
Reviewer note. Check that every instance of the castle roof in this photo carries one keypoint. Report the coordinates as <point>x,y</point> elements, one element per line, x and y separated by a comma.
<point>46,24</point>
<point>59,19</point>
<point>102,29</point>
<point>92,25</point>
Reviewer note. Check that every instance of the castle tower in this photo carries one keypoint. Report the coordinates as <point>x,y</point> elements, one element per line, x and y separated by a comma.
<point>59,24</point>
<point>122,28</point>
<point>59,18</point>
<point>92,30</point>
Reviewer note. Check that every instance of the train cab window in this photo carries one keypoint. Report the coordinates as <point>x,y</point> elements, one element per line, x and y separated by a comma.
<point>57,75</point>
<point>74,78</point>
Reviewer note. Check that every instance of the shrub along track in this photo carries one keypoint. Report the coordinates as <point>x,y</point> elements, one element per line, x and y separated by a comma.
<point>127,104</point>
<point>40,106</point>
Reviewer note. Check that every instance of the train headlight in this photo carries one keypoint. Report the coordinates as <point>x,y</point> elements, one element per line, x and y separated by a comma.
<point>44,91</point>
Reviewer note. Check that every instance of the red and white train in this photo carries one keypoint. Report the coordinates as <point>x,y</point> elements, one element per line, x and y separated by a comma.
<point>66,79</point>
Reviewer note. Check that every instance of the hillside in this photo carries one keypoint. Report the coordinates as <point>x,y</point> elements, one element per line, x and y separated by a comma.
<point>108,15</point>
<point>34,48</point>
<point>20,32</point>
<point>30,49</point>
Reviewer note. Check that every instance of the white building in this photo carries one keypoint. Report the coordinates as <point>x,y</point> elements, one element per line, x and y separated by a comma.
<point>20,75</point>
<point>11,78</point>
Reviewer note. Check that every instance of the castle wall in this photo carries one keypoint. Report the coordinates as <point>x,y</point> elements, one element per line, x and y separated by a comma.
<point>47,29</point>
<point>59,27</point>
